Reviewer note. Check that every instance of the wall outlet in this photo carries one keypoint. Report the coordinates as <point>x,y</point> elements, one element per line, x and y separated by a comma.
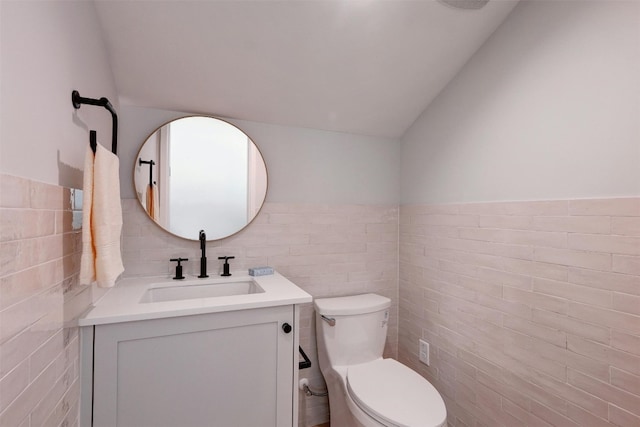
<point>424,352</point>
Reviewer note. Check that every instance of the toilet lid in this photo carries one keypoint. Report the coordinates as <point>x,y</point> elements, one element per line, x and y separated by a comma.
<point>396,395</point>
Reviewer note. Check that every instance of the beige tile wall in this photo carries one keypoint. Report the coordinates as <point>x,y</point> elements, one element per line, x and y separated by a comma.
<point>328,250</point>
<point>39,299</point>
<point>532,310</point>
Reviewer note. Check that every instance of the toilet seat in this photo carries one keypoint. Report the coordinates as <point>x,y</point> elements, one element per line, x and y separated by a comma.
<point>395,395</point>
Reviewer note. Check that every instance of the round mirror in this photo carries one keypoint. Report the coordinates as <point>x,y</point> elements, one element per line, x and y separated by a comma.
<point>200,173</point>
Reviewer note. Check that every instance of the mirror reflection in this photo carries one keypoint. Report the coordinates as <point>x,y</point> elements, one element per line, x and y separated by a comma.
<point>200,173</point>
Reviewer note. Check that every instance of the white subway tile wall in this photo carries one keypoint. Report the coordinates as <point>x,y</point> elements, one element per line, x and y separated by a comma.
<point>532,309</point>
<point>39,299</point>
<point>328,250</point>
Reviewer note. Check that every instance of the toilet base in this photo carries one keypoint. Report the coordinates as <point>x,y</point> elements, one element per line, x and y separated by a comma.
<point>343,411</point>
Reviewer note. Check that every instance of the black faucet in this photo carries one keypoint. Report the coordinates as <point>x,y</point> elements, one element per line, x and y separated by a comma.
<point>203,256</point>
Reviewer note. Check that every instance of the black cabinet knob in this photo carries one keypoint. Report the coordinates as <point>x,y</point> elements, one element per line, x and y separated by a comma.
<point>286,328</point>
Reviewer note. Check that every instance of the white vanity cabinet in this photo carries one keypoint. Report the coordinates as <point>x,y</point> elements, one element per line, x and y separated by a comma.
<point>226,369</point>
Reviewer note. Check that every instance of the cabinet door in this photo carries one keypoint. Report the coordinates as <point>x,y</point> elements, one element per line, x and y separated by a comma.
<point>230,369</point>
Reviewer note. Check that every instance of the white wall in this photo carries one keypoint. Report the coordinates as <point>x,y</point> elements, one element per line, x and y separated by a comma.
<point>48,49</point>
<point>548,108</point>
<point>303,165</point>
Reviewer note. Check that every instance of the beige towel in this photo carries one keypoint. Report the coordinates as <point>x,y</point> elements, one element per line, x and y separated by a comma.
<point>150,205</point>
<point>152,202</point>
<point>101,259</point>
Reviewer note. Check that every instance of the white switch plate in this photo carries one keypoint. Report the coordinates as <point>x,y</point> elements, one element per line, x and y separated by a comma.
<point>424,352</point>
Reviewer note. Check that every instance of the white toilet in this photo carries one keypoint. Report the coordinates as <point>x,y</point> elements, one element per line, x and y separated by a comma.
<point>366,390</point>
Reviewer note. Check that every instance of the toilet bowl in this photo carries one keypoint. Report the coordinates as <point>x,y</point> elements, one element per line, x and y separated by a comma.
<point>366,390</point>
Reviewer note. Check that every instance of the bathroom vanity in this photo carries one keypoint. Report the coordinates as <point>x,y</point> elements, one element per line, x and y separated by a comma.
<point>215,352</point>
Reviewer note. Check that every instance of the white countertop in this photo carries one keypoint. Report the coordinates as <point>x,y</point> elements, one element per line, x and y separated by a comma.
<point>122,302</point>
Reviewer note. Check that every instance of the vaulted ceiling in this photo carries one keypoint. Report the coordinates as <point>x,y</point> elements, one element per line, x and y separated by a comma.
<point>369,67</point>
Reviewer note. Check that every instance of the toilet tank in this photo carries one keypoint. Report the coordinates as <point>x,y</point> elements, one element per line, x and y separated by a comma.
<point>359,332</point>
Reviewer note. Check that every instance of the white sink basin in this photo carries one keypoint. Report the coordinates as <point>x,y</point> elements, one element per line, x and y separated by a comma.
<point>194,289</point>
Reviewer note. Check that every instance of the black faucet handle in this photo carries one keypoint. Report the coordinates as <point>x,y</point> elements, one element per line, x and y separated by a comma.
<point>225,267</point>
<point>178,275</point>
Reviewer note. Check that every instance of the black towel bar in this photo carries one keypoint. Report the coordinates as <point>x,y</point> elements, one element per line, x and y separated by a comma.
<point>307,363</point>
<point>78,100</point>
<point>151,164</point>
